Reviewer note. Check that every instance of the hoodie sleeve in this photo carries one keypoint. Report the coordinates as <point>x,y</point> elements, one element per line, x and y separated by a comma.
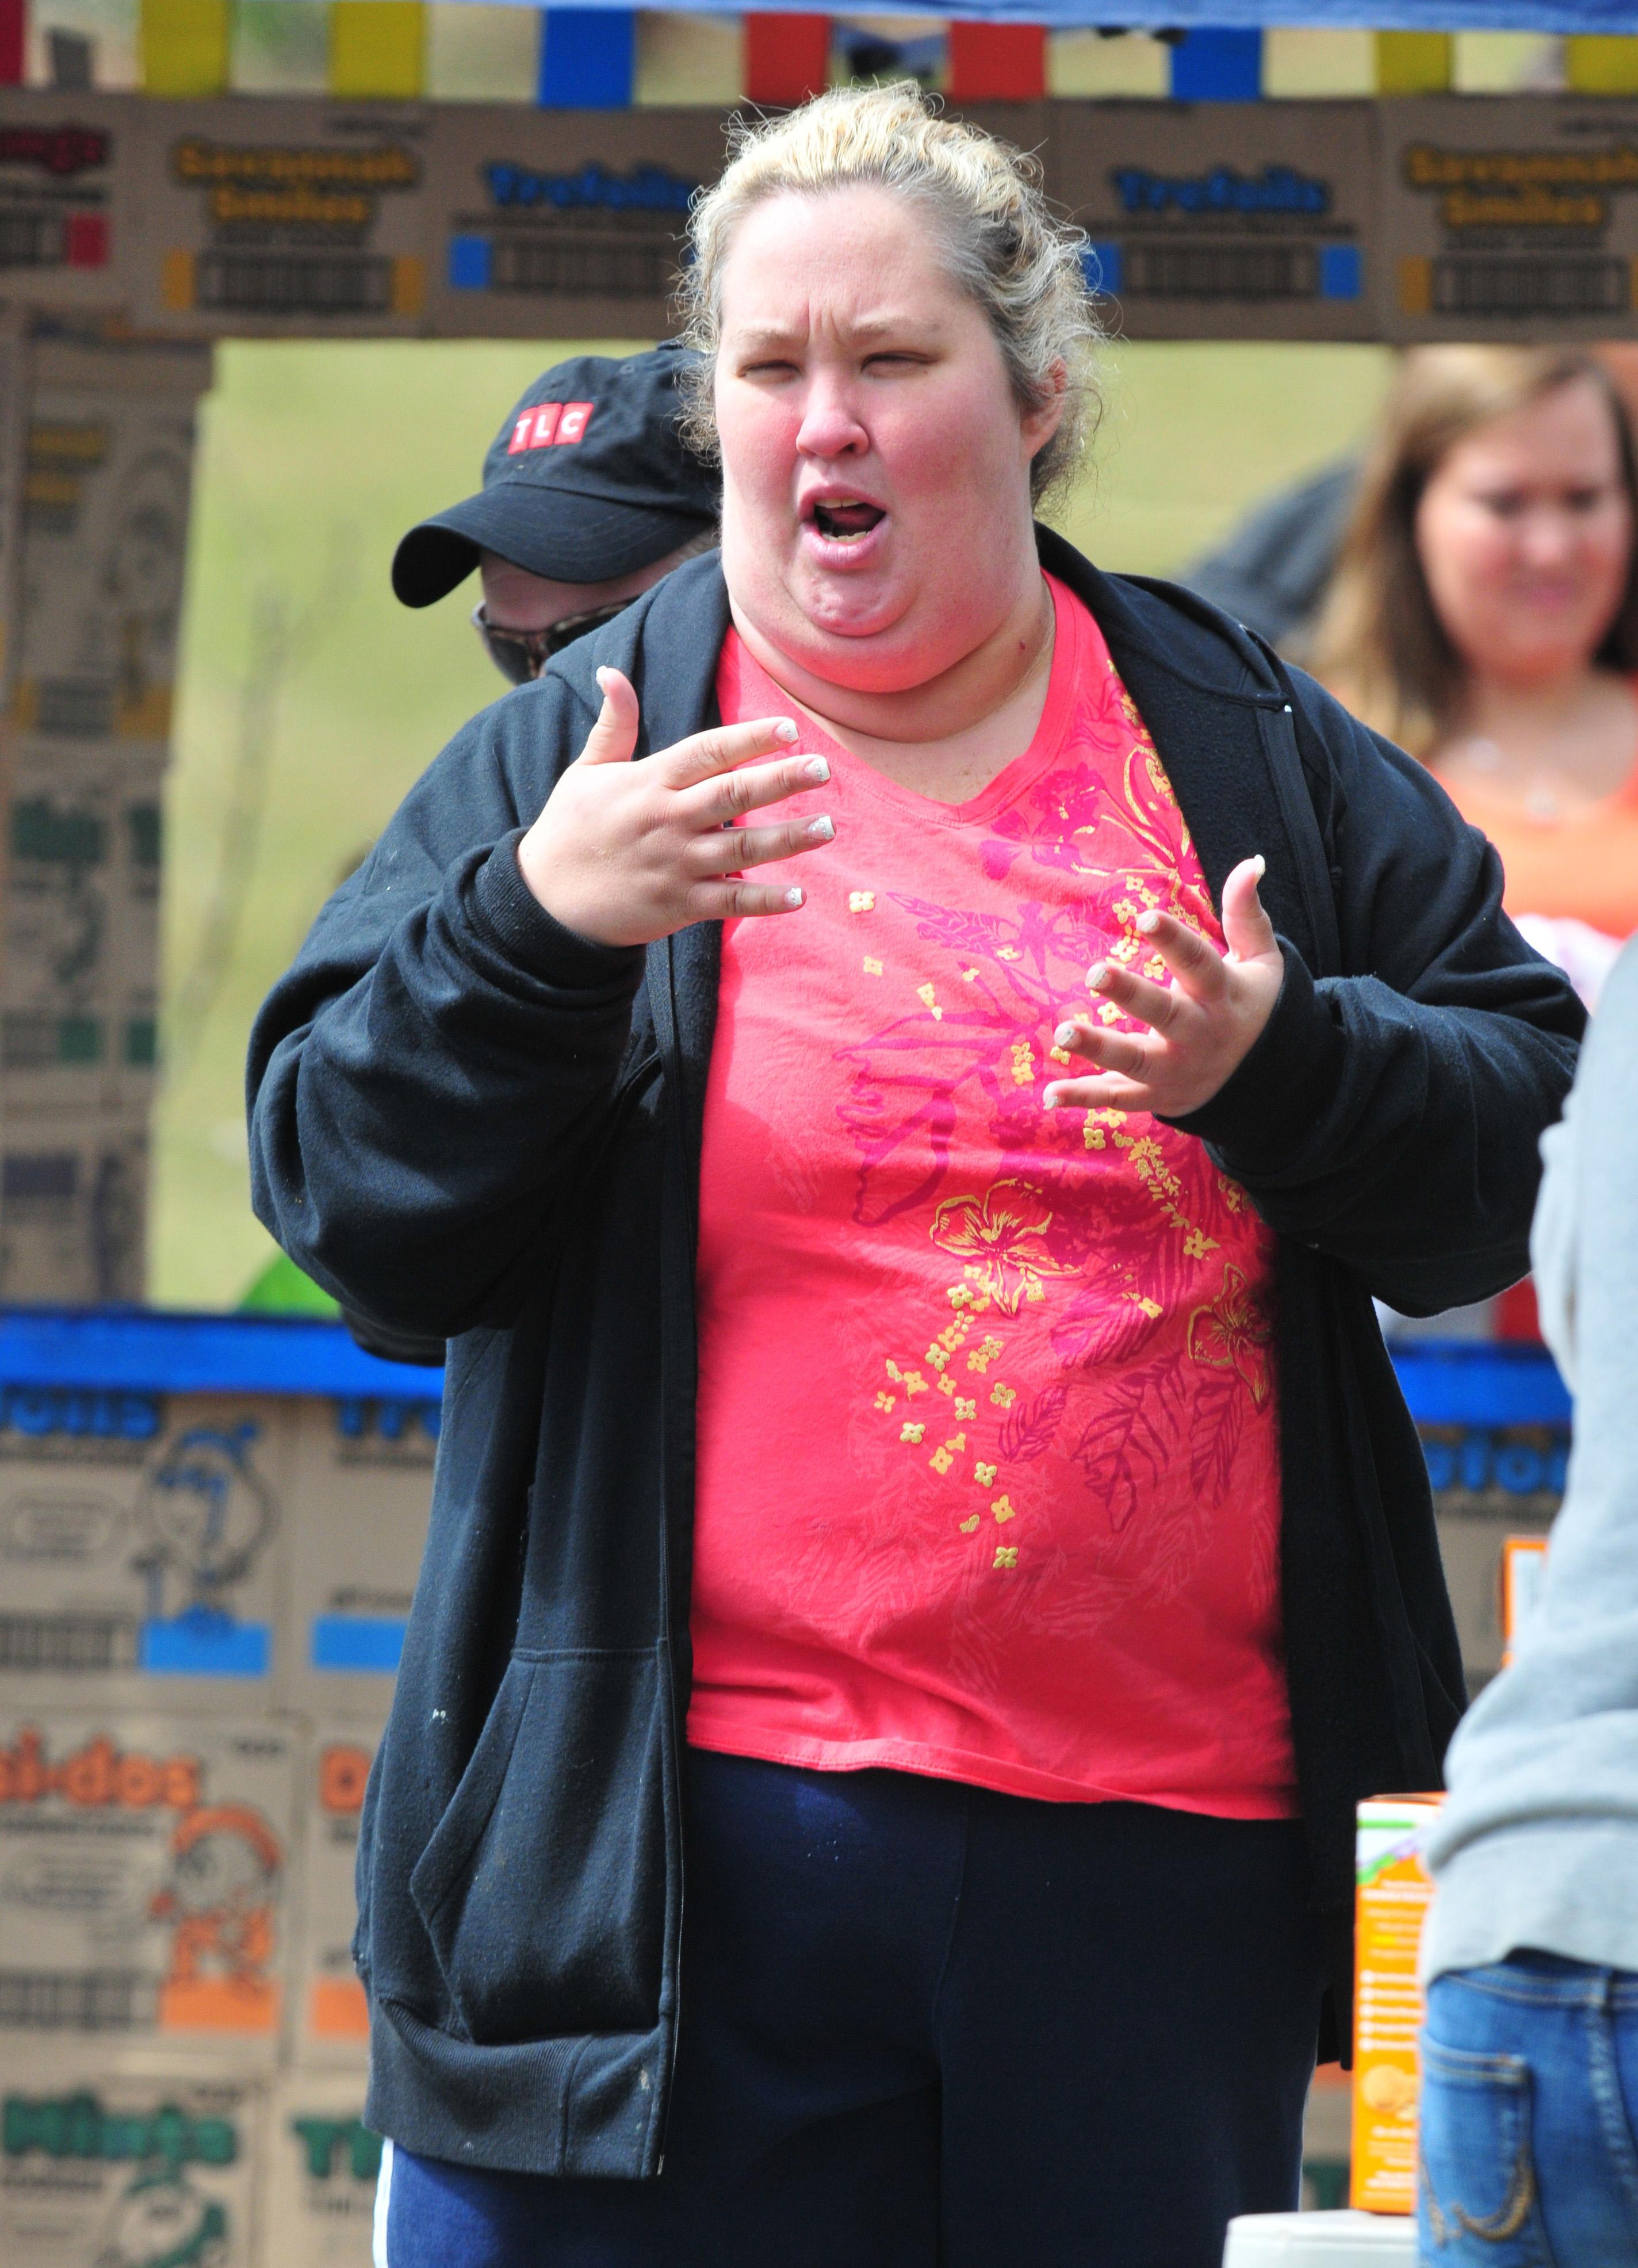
<point>424,1078</point>
<point>1390,1117</point>
<point>1537,1842</point>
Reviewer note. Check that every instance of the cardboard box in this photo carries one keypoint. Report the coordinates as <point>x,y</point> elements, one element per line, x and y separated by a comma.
<point>73,1209</point>
<point>1243,220</point>
<point>332,2026</point>
<point>362,1477</point>
<point>14,360</point>
<point>1327,2139</point>
<point>562,224</point>
<point>107,488</point>
<point>125,2164</point>
<point>142,1545</point>
<point>70,164</point>
<point>319,2163</point>
<point>1473,1548</point>
<point>80,964</point>
<point>1489,1483</point>
<point>272,217</point>
<point>145,1881</point>
<point>1393,1894</point>
<point>1509,217</point>
<point>1523,1571</point>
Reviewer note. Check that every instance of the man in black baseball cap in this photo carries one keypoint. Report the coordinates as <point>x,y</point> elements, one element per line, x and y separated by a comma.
<point>588,497</point>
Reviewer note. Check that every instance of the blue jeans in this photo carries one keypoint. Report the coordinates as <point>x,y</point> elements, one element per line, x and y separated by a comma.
<point>1530,2093</point>
<point>928,2027</point>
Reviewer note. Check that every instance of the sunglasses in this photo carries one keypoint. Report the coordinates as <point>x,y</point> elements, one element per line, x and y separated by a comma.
<point>520,655</point>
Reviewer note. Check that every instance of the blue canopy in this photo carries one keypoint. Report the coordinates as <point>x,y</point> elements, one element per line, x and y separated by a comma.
<point>1615,16</point>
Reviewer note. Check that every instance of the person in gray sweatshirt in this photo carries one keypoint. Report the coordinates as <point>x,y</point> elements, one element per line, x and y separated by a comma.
<point>1530,2090</point>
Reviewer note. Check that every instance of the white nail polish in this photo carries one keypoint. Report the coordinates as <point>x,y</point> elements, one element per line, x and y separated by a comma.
<point>793,897</point>
<point>820,830</point>
<point>1261,866</point>
<point>785,730</point>
<point>1064,1034</point>
<point>817,770</point>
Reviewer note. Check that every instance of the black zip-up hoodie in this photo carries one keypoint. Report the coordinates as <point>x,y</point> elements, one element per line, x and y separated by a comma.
<point>470,1122</point>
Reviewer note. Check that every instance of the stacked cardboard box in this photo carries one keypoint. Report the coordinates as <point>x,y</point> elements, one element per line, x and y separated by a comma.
<point>204,1596</point>
<point>107,461</point>
<point>102,465</point>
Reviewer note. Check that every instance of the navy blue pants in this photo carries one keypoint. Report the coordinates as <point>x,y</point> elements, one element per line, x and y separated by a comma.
<point>922,2023</point>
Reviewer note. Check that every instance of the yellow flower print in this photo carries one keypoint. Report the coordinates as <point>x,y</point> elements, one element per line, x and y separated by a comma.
<point>984,1473</point>
<point>886,1400</point>
<point>912,1432</point>
<point>914,1383</point>
<point>860,902</point>
<point>929,999</point>
<point>936,1356</point>
<point>1023,1062</point>
<point>871,968</point>
<point>983,1355</point>
<point>1003,1396</point>
<point>941,1461</point>
<point>966,1409</point>
<point>999,1236</point>
<point>1233,1333</point>
<point>1006,1555</point>
<point>1004,1509</point>
<point>970,977</point>
<point>967,1526</point>
<point>947,1385</point>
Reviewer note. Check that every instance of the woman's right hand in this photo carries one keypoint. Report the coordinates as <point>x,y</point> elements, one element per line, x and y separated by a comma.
<point>624,853</point>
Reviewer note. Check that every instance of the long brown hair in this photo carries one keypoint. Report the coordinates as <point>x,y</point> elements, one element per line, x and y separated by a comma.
<point>1379,644</point>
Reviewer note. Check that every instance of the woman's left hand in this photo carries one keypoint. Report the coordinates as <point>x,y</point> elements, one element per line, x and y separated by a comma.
<point>1202,1026</point>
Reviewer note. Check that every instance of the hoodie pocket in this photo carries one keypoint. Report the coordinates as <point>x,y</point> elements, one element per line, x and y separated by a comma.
<point>543,1887</point>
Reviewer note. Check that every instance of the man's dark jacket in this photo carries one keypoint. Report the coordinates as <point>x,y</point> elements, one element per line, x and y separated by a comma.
<point>470,1122</point>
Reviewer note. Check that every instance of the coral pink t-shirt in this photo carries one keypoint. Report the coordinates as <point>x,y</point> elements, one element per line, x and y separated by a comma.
<point>988,1452</point>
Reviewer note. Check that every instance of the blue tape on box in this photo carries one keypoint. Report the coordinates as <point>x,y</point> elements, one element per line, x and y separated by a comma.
<point>356,1642</point>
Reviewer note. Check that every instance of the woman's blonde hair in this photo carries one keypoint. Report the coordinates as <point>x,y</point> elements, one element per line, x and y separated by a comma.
<point>1379,642</point>
<point>1006,249</point>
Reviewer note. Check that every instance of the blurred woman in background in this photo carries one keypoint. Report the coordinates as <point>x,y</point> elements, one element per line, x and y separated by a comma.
<point>1484,615</point>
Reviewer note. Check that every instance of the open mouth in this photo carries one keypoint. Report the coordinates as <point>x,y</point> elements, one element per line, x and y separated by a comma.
<point>842,522</point>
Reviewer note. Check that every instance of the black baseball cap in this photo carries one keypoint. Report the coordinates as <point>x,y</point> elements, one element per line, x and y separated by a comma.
<point>587,479</point>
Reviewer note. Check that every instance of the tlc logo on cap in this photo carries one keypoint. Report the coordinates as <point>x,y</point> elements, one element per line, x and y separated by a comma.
<point>551,425</point>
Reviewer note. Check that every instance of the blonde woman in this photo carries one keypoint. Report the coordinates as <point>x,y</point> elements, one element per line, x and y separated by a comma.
<point>926,1548</point>
<point>1484,616</point>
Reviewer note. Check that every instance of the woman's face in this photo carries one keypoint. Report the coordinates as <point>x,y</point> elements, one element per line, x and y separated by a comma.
<point>876,519</point>
<point>1524,534</point>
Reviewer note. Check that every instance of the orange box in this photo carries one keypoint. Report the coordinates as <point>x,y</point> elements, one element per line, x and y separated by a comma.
<point>333,2020</point>
<point>1524,1565</point>
<point>1392,1901</point>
